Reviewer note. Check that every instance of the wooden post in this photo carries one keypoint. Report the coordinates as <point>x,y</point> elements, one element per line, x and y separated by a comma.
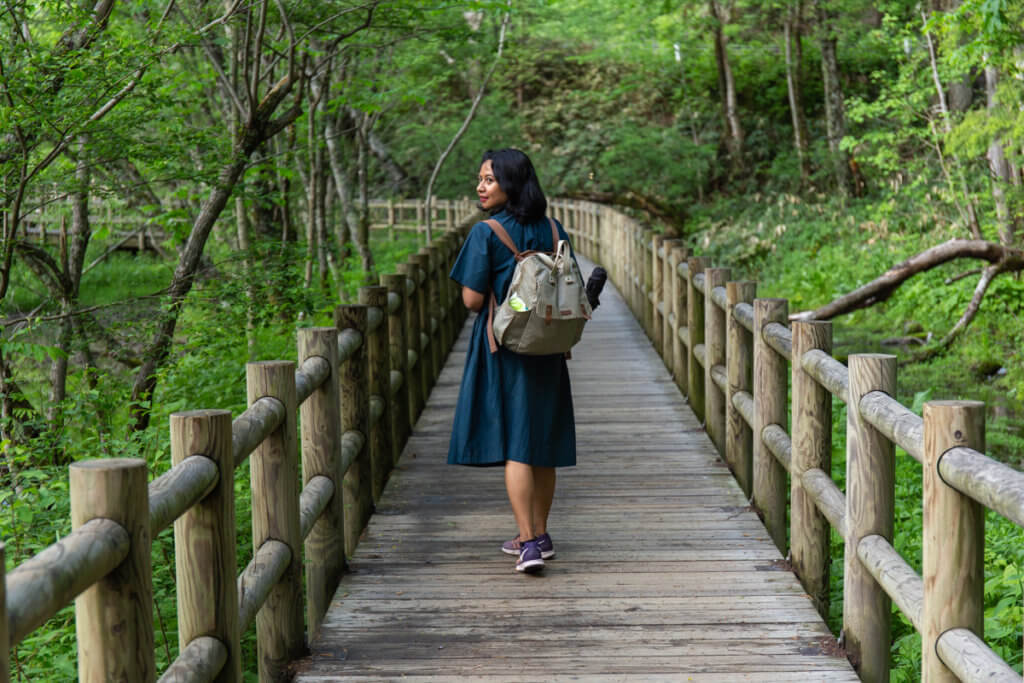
<point>379,377</point>
<point>449,215</point>
<point>274,475</point>
<point>355,417</point>
<point>812,449</point>
<point>656,286</point>
<point>678,293</point>
<point>114,616</point>
<point>445,288</point>
<point>321,457</point>
<point>638,287</point>
<point>714,354</point>
<point>770,407</point>
<point>414,378</point>
<point>426,299</point>
<point>457,313</point>
<point>739,444</point>
<point>647,303</point>
<point>870,492</point>
<point>695,325</point>
<point>204,540</point>
<point>629,269</point>
<point>398,359</point>
<point>668,278</point>
<point>5,635</point>
<point>953,535</point>
<point>593,244</point>
<point>439,301</point>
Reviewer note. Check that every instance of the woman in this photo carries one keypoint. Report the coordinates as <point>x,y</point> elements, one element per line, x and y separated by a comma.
<point>513,410</point>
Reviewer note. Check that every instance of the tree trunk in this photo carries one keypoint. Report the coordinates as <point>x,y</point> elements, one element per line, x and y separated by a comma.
<point>835,111</point>
<point>349,222</point>
<point>260,129</point>
<point>793,38</point>
<point>246,250</point>
<point>362,234</point>
<point>727,89</point>
<point>324,257</point>
<point>968,211</point>
<point>1001,171</point>
<point>314,255</point>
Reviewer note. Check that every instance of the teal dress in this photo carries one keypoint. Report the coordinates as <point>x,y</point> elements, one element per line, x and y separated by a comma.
<point>511,406</point>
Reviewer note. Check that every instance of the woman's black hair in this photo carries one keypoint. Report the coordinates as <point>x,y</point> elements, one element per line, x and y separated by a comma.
<point>517,179</point>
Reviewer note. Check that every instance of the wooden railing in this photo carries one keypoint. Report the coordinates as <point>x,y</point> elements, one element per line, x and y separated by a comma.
<point>359,387</point>
<point>137,233</point>
<point>410,214</point>
<point>736,359</point>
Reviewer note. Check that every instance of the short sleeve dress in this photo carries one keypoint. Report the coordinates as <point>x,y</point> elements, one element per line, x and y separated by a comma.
<point>511,406</point>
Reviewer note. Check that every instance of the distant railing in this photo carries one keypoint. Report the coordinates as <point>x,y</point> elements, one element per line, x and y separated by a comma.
<point>358,387</point>
<point>137,233</point>
<point>734,355</point>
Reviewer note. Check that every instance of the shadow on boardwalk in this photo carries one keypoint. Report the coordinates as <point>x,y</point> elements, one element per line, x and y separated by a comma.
<point>663,573</point>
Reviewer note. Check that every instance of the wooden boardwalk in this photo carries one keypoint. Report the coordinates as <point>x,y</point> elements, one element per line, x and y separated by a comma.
<point>663,573</point>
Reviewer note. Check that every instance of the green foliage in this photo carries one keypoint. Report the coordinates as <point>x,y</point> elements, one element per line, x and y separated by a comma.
<point>207,371</point>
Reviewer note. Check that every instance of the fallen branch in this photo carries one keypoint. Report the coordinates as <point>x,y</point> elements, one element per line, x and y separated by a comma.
<point>961,276</point>
<point>987,275</point>
<point>902,341</point>
<point>1003,259</point>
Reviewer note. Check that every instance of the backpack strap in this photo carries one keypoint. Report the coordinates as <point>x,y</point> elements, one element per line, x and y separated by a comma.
<point>502,234</point>
<point>491,341</point>
<point>554,234</point>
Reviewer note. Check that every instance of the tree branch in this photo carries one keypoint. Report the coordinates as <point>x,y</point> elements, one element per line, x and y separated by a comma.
<point>469,119</point>
<point>881,288</point>
<point>987,275</point>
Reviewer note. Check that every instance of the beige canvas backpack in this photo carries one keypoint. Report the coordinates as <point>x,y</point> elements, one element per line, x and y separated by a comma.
<point>546,306</point>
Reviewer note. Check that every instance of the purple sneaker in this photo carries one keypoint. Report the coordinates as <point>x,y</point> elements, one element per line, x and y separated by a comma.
<point>530,560</point>
<point>547,548</point>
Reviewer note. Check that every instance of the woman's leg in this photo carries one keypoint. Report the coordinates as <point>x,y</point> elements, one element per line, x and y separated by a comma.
<point>543,495</point>
<point>519,482</point>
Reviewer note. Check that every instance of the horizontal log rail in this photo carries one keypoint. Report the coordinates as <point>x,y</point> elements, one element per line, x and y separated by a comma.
<point>738,361</point>
<point>359,387</point>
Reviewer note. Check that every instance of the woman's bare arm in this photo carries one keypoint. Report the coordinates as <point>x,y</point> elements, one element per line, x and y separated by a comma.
<point>473,299</point>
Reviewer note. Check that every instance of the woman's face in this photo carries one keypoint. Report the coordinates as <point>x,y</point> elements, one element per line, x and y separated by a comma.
<point>487,189</point>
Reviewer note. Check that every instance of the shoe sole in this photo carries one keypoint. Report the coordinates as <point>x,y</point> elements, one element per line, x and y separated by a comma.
<point>546,554</point>
<point>530,566</point>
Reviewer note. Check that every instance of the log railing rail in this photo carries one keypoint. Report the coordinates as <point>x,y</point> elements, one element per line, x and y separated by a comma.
<point>737,360</point>
<point>358,388</point>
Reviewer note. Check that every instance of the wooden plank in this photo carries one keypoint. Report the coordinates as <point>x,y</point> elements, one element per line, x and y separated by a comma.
<point>662,572</point>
